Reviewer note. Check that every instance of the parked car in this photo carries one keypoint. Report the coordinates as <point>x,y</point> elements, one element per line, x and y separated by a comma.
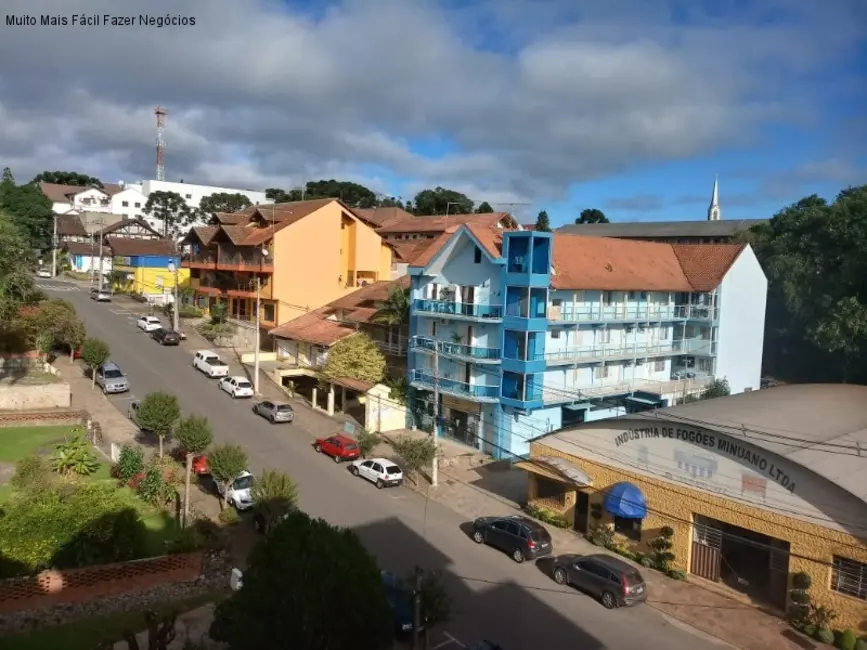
<point>338,447</point>
<point>149,323</point>
<point>236,386</point>
<point>201,467</point>
<point>43,273</point>
<point>100,295</point>
<point>402,606</point>
<point>240,491</point>
<point>166,337</point>
<point>520,537</point>
<point>209,362</point>
<point>379,471</point>
<point>275,412</point>
<point>111,379</point>
<point>614,582</point>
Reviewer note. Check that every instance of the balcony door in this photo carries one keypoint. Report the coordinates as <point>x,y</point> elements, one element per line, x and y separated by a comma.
<point>468,295</point>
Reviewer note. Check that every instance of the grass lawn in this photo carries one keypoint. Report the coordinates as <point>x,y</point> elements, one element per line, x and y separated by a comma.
<point>84,635</point>
<point>19,442</point>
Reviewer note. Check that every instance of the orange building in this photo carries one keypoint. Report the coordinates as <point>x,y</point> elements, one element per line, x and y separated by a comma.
<point>301,255</point>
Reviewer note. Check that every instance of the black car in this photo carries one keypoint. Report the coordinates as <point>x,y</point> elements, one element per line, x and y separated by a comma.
<point>402,606</point>
<point>614,582</point>
<point>166,337</point>
<point>520,537</point>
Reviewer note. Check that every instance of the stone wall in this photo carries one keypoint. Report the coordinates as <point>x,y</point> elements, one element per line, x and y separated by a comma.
<point>101,591</point>
<point>41,396</point>
<point>41,418</point>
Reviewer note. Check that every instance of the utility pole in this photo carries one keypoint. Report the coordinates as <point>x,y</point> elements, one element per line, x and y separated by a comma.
<point>435,470</point>
<point>54,249</point>
<point>416,609</point>
<point>100,253</point>
<point>176,305</point>
<point>258,335</point>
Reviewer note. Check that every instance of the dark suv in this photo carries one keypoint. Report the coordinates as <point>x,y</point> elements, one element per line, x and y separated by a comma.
<point>611,580</point>
<point>520,537</point>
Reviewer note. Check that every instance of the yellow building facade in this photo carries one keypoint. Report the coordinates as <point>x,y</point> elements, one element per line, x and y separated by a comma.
<point>149,280</point>
<point>744,515</point>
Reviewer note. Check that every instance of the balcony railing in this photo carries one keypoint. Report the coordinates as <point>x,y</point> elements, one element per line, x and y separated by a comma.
<point>396,348</point>
<point>613,351</point>
<point>459,309</point>
<point>456,349</point>
<point>626,312</point>
<point>232,261</point>
<point>460,388</point>
<point>678,388</point>
<point>525,393</point>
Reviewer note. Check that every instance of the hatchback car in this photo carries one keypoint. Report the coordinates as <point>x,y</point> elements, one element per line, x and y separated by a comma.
<point>400,601</point>
<point>379,471</point>
<point>275,412</point>
<point>166,337</point>
<point>520,537</point>
<point>614,582</point>
<point>236,387</point>
<point>148,323</point>
<point>340,448</point>
<point>111,379</point>
<point>43,273</point>
<point>100,295</point>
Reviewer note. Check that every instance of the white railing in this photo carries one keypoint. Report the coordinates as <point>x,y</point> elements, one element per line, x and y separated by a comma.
<point>628,351</point>
<point>674,388</point>
<point>599,312</point>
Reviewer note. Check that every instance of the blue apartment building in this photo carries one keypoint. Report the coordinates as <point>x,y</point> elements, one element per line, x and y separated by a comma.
<point>523,333</point>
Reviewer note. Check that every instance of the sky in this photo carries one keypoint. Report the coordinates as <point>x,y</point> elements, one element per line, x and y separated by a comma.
<point>629,106</point>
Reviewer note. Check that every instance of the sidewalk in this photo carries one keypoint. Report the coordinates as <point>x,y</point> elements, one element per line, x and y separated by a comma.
<point>689,603</point>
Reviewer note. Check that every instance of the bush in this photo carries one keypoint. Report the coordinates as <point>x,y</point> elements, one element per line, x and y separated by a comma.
<point>190,539</point>
<point>809,629</point>
<point>824,635</point>
<point>546,516</point>
<point>153,488</point>
<point>70,527</point>
<point>229,516</point>
<point>847,640</point>
<point>601,535</point>
<point>31,473</point>
<point>189,312</point>
<point>416,453</point>
<point>677,574</point>
<point>801,581</point>
<point>861,644</point>
<point>661,549</point>
<point>367,441</point>
<point>129,463</point>
<point>75,457</point>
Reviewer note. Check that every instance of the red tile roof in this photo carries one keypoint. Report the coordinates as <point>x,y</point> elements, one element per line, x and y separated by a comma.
<point>257,224</point>
<point>70,225</point>
<point>381,217</point>
<point>125,247</point>
<point>85,248</point>
<point>438,224</point>
<point>58,193</point>
<point>314,327</point>
<point>123,223</point>
<point>705,265</point>
<point>490,239</point>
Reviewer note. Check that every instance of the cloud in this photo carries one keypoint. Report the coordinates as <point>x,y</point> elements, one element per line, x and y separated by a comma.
<point>533,97</point>
<point>637,203</point>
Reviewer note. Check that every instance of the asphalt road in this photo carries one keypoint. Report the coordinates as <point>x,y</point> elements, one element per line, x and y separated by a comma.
<point>517,606</point>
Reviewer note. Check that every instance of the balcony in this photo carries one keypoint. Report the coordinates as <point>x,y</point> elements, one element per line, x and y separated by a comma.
<point>474,392</point>
<point>199,261</point>
<point>628,313</point>
<point>457,350</point>
<point>253,262</point>
<point>672,389</point>
<point>458,310</point>
<point>621,351</point>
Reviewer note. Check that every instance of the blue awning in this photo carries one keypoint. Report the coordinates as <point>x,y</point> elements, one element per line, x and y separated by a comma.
<point>626,500</point>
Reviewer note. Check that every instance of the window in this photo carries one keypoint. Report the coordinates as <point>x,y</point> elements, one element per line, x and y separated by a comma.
<point>268,313</point>
<point>549,490</point>
<point>629,528</point>
<point>659,365</point>
<point>188,196</point>
<point>555,334</point>
<point>604,335</point>
<point>644,295</point>
<point>138,205</point>
<point>433,330</point>
<point>607,298</point>
<point>849,577</point>
<point>663,332</point>
<point>600,372</point>
<point>477,255</point>
<point>124,204</point>
<point>556,302</point>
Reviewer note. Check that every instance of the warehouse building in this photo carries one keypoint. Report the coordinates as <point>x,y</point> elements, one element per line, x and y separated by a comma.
<point>756,486</point>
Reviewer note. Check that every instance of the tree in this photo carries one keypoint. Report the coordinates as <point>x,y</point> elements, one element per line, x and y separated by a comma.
<point>395,310</point>
<point>53,323</point>
<point>297,578</point>
<point>592,215</point>
<point>484,208</point>
<point>172,210</point>
<point>94,352</point>
<point>29,208</point>
<point>543,224</point>
<point>274,495</point>
<point>16,284</point>
<point>441,201</point>
<point>226,463</point>
<point>282,196</point>
<point>223,202</point>
<point>352,194</point>
<point>194,435</point>
<point>813,255</point>
<point>159,412</point>
<point>436,604</point>
<point>417,453</point>
<point>67,178</point>
<point>355,357</point>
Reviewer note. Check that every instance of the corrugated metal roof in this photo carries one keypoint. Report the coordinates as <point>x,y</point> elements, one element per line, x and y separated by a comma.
<point>662,229</point>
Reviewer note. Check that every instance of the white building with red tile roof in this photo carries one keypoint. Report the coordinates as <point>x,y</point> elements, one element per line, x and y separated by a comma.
<point>523,332</point>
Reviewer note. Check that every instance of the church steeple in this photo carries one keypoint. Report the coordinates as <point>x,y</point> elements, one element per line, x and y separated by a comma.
<point>714,213</point>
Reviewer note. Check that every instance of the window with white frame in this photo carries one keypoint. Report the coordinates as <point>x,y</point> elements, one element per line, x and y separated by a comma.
<point>607,298</point>
<point>849,577</point>
<point>603,336</point>
<point>663,333</point>
<point>659,365</point>
<point>600,372</point>
<point>555,334</point>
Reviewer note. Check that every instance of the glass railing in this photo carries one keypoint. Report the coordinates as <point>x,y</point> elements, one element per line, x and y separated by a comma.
<point>457,309</point>
<point>454,386</point>
<point>456,349</point>
<point>618,350</point>
<point>650,312</point>
<point>531,393</point>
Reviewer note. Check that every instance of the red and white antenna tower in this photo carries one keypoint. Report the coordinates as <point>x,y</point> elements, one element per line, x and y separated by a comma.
<point>160,112</point>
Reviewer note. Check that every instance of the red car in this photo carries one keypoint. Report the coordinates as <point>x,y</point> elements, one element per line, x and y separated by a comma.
<point>339,447</point>
<point>201,467</point>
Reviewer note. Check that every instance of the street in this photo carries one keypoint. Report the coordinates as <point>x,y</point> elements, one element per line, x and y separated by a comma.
<point>514,605</point>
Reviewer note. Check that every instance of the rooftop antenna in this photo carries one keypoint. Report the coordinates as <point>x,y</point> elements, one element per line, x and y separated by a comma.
<point>160,112</point>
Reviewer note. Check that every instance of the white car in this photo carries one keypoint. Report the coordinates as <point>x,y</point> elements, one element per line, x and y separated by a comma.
<point>149,324</point>
<point>43,273</point>
<point>236,386</point>
<point>240,491</point>
<point>379,471</point>
<point>208,362</point>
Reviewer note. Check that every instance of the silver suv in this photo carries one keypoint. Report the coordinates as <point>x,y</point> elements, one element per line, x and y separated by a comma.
<point>111,379</point>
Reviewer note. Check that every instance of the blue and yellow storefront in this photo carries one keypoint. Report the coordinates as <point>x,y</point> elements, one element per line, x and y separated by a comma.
<point>149,275</point>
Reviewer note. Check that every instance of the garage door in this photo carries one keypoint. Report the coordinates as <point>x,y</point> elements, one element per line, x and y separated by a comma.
<point>706,550</point>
